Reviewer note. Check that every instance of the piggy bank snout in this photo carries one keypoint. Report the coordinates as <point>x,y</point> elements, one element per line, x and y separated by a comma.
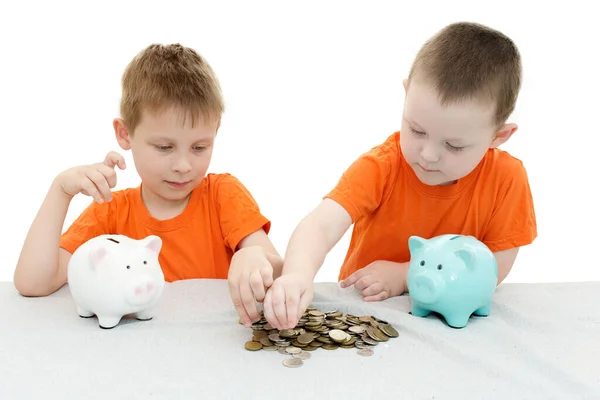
<point>426,288</point>
<point>142,290</point>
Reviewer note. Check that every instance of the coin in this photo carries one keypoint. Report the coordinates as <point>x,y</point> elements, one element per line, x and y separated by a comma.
<point>293,362</point>
<point>302,355</point>
<point>316,329</point>
<point>253,346</point>
<point>293,350</point>
<point>365,352</point>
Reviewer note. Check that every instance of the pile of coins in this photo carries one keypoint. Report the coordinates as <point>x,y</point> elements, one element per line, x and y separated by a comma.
<point>316,329</point>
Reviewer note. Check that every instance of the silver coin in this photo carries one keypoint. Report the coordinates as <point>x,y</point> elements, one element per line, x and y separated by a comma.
<point>293,362</point>
<point>293,350</point>
<point>304,355</point>
<point>365,352</point>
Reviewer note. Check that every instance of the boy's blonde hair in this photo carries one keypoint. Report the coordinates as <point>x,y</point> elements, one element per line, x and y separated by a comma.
<point>471,61</point>
<point>164,76</point>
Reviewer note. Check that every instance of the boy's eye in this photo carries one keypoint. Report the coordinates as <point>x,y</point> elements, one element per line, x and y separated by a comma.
<point>454,148</point>
<point>416,132</point>
<point>163,148</point>
<point>199,148</point>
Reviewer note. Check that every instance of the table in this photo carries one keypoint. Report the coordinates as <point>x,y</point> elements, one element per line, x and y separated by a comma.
<point>541,341</point>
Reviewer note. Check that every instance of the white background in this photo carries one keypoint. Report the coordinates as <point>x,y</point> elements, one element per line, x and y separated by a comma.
<point>308,87</point>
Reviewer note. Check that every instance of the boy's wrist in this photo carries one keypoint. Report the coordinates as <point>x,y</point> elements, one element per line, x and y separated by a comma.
<point>57,192</point>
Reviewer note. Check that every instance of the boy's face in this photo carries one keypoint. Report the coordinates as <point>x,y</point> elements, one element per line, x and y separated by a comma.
<point>170,157</point>
<point>443,144</point>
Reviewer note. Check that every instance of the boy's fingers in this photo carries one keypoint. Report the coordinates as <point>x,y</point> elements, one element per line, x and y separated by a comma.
<point>258,288</point>
<point>292,300</point>
<point>237,303</point>
<point>372,290</point>
<point>364,282</point>
<point>113,158</point>
<point>88,187</point>
<point>305,300</point>
<point>378,297</point>
<point>279,306</point>
<point>267,276</point>
<point>247,298</point>
<point>349,281</point>
<point>269,309</point>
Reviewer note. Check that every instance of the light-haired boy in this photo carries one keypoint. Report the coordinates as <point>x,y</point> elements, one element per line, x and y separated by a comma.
<point>442,173</point>
<point>210,225</point>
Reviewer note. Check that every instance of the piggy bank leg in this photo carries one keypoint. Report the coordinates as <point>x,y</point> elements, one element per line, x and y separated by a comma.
<point>145,315</point>
<point>83,313</point>
<point>108,321</point>
<point>457,320</point>
<point>484,311</point>
<point>419,311</point>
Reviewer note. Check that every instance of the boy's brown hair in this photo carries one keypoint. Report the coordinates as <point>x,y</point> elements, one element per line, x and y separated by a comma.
<point>163,76</point>
<point>471,61</point>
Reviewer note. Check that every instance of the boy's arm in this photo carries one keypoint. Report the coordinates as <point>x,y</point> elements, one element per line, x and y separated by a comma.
<point>505,260</point>
<point>314,237</point>
<point>42,266</point>
<point>260,239</point>
<point>513,223</point>
<point>255,262</point>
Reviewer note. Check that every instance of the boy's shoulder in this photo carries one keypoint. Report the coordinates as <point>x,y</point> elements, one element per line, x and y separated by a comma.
<point>219,184</point>
<point>503,166</point>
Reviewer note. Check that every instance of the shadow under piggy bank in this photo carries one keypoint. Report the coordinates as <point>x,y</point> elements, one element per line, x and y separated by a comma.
<point>112,276</point>
<point>452,276</point>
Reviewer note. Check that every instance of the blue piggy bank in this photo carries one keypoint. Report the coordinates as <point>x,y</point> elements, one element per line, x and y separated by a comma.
<point>453,275</point>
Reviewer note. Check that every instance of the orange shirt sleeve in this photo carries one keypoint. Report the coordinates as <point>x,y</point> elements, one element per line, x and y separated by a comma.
<point>513,221</point>
<point>366,182</point>
<point>239,214</point>
<point>94,220</point>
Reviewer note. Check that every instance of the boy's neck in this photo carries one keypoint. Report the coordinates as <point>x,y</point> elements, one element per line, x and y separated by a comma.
<point>160,208</point>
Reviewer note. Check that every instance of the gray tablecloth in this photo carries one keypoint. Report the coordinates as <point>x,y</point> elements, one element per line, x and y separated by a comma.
<point>541,341</point>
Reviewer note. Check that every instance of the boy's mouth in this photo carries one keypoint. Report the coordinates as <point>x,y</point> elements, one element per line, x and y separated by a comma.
<point>427,170</point>
<point>178,185</point>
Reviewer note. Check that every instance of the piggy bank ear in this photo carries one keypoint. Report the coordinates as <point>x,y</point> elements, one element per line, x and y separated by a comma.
<point>415,243</point>
<point>153,243</point>
<point>467,256</point>
<point>97,255</point>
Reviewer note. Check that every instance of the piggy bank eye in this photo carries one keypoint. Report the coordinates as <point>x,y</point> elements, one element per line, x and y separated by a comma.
<point>145,262</point>
<point>128,267</point>
<point>422,262</point>
<point>439,266</point>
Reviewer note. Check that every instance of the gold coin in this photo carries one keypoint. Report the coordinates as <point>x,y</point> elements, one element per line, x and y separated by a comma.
<point>253,346</point>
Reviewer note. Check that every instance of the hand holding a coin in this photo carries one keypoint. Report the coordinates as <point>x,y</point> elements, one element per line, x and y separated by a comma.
<point>287,299</point>
<point>250,275</point>
<point>379,280</point>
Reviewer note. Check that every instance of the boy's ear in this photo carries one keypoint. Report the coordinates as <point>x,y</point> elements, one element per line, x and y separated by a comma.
<point>503,135</point>
<point>122,134</point>
<point>405,84</point>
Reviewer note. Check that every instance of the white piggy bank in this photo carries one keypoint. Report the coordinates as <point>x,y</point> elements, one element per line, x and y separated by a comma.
<point>114,275</point>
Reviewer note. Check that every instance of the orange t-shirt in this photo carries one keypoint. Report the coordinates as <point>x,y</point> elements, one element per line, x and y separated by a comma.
<point>198,243</point>
<point>388,204</point>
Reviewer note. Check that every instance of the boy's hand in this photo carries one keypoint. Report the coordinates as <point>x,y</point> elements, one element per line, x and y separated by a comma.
<point>250,275</point>
<point>287,300</point>
<point>379,280</point>
<point>94,180</point>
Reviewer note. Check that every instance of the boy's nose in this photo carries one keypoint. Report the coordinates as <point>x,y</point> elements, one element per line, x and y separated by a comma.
<point>429,155</point>
<point>182,165</point>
